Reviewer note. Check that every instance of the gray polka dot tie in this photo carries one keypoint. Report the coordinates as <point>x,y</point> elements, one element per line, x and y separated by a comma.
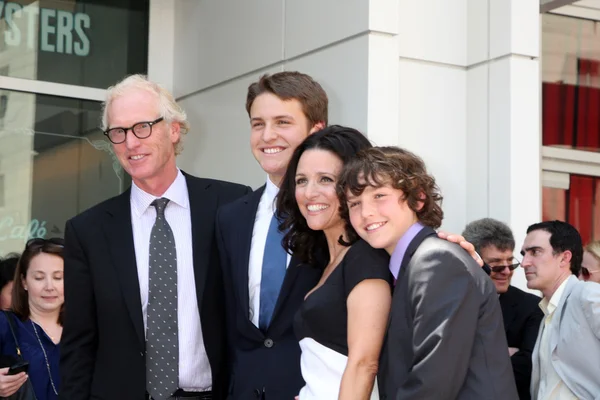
<point>162,350</point>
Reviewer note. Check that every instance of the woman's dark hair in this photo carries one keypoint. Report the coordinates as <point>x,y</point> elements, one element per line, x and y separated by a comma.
<point>300,240</point>
<point>8,265</point>
<point>20,297</point>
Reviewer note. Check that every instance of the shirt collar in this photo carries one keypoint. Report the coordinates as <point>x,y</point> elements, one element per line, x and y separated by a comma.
<point>271,191</point>
<point>176,193</point>
<point>400,250</point>
<point>548,307</point>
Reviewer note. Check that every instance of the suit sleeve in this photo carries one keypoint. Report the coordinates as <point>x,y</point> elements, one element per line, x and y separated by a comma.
<point>79,338</point>
<point>227,279</point>
<point>445,307</point>
<point>521,360</point>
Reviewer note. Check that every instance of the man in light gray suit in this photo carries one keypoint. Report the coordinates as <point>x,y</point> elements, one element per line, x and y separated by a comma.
<point>566,357</point>
<point>445,338</point>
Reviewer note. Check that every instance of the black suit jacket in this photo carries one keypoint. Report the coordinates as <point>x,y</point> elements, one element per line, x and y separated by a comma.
<point>265,364</point>
<point>103,343</point>
<point>445,338</point>
<point>522,319</point>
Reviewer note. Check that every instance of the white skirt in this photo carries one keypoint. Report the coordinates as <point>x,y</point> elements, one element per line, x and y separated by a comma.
<point>322,370</point>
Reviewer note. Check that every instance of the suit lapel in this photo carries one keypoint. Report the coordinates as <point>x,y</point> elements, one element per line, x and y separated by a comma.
<point>556,319</point>
<point>119,235</point>
<point>412,248</point>
<point>246,227</point>
<point>410,251</point>
<point>203,204</point>
<point>508,303</point>
<point>291,275</point>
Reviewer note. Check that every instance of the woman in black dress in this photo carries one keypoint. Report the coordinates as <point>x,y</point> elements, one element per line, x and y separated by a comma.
<point>342,322</point>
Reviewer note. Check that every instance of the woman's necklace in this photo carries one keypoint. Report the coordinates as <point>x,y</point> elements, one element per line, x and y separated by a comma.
<point>45,356</point>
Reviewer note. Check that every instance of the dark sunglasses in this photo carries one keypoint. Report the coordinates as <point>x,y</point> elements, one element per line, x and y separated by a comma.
<point>41,241</point>
<point>501,268</point>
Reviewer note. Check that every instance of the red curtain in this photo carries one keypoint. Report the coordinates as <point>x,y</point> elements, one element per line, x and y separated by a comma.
<point>581,206</point>
<point>571,113</point>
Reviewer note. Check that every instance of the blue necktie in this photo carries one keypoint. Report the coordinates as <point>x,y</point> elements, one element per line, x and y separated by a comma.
<point>273,272</point>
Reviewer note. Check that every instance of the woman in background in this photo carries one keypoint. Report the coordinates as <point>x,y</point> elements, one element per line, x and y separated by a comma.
<point>37,305</point>
<point>590,267</point>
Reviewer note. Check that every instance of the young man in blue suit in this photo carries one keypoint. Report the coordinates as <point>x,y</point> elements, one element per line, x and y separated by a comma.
<point>264,285</point>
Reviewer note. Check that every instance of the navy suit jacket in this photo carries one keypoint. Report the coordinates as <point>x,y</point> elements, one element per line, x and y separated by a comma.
<point>266,365</point>
<point>522,318</point>
<point>103,344</point>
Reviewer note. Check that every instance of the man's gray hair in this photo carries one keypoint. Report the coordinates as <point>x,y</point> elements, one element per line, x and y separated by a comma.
<point>168,107</point>
<point>489,232</point>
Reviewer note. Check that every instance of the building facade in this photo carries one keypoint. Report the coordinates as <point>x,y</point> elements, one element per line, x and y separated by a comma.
<point>478,88</point>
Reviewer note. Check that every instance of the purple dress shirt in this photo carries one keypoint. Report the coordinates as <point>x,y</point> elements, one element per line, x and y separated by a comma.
<point>400,249</point>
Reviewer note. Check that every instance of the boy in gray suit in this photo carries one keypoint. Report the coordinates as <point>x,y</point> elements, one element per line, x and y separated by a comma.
<point>445,337</point>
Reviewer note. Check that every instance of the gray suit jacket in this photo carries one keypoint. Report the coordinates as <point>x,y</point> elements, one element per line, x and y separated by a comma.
<point>446,336</point>
<point>574,341</point>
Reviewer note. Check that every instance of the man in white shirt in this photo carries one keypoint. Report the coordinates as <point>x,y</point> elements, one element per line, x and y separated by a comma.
<point>264,285</point>
<point>143,286</point>
<point>566,358</point>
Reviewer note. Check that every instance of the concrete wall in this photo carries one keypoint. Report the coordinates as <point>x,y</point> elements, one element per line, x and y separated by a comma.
<point>456,81</point>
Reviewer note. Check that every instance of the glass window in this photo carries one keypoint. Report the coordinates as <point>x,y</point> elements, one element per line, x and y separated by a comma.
<point>579,205</point>
<point>571,82</point>
<point>91,43</point>
<point>55,162</point>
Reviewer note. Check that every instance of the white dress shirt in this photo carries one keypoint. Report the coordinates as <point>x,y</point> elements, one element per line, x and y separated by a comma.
<point>551,386</point>
<point>194,368</point>
<point>264,213</point>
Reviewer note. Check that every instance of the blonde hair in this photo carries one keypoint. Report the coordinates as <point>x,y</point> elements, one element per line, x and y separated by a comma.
<point>594,249</point>
<point>168,107</point>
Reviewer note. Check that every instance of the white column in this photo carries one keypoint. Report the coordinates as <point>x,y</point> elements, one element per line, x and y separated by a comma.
<point>383,99</point>
<point>223,46</point>
<point>161,42</point>
<point>432,117</point>
<point>503,115</point>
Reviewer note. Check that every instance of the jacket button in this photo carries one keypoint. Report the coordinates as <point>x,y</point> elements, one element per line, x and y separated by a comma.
<point>268,343</point>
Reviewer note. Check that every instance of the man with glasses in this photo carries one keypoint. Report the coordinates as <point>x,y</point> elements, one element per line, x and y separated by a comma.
<point>143,284</point>
<point>494,241</point>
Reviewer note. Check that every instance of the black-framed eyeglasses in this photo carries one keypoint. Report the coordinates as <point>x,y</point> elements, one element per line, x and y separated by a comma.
<point>41,241</point>
<point>500,268</point>
<point>141,130</point>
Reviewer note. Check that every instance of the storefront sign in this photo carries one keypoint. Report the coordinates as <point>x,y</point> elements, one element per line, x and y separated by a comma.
<point>59,31</point>
<point>10,230</point>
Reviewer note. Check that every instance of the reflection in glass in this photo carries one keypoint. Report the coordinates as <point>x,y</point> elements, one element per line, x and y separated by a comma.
<point>55,162</point>
<point>78,42</point>
<point>579,205</point>
<point>571,82</point>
